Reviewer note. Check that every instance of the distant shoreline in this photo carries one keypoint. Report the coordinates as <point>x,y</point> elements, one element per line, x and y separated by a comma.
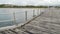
<point>4,7</point>
<point>24,7</point>
<point>27,6</point>
<point>16,6</point>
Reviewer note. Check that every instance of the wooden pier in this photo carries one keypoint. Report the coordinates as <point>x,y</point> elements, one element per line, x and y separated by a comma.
<point>46,23</point>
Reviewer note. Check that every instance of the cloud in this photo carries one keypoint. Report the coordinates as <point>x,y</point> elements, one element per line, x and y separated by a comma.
<point>31,2</point>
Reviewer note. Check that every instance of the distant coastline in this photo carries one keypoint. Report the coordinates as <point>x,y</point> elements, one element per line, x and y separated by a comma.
<point>27,6</point>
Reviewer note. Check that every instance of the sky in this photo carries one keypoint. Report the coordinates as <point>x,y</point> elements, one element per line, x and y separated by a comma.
<point>31,2</point>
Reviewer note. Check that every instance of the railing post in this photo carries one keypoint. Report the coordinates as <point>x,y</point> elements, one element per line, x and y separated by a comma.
<point>38,12</point>
<point>14,17</point>
<point>33,13</point>
<point>26,15</point>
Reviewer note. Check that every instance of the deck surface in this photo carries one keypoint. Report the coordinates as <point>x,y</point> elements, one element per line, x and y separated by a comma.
<point>47,23</point>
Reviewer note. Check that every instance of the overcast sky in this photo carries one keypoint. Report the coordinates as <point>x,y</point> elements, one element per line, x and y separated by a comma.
<point>31,2</point>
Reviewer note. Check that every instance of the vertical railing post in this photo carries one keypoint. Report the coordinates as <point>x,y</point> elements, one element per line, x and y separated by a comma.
<point>33,13</point>
<point>40,11</point>
<point>37,12</point>
<point>14,18</point>
<point>26,15</point>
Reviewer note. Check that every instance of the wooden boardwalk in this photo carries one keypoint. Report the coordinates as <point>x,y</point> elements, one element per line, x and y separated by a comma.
<point>47,23</point>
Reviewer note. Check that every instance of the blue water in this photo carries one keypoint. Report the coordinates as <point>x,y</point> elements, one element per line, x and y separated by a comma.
<point>7,18</point>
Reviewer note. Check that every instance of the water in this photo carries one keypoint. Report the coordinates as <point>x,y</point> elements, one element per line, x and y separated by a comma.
<point>7,18</point>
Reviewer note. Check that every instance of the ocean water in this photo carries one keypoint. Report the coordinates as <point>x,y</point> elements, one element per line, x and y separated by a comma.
<point>7,18</point>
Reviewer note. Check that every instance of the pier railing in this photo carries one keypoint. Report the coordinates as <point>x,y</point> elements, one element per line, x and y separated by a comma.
<point>27,16</point>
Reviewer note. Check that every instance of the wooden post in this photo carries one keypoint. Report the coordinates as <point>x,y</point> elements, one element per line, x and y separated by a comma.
<point>26,15</point>
<point>33,13</point>
<point>40,11</point>
<point>14,17</point>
